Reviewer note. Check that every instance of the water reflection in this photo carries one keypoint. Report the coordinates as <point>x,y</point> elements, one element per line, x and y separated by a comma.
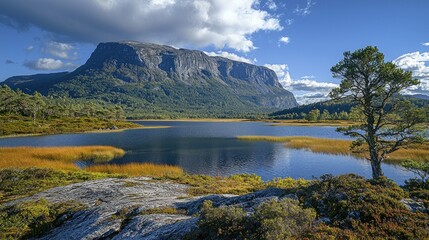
<point>211,148</point>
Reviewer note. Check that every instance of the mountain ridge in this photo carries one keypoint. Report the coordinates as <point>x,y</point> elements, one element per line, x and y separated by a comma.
<point>185,82</point>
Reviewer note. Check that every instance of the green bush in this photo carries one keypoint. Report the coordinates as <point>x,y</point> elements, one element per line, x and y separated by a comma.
<point>271,220</point>
<point>30,219</point>
<point>371,209</point>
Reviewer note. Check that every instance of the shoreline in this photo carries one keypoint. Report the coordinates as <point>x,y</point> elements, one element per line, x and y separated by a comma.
<point>196,120</point>
<point>90,131</point>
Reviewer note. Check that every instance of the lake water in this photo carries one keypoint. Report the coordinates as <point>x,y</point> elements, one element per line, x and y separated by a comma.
<point>211,148</point>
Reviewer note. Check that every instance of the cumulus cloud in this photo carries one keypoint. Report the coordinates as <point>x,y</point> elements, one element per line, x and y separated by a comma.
<point>280,69</point>
<point>416,62</point>
<point>426,44</point>
<point>304,11</point>
<point>306,89</point>
<point>285,40</point>
<point>47,64</point>
<point>231,56</point>
<point>221,23</point>
<point>57,49</point>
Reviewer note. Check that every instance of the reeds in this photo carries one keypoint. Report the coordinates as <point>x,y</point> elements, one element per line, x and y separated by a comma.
<point>61,158</point>
<point>416,152</point>
<point>138,169</point>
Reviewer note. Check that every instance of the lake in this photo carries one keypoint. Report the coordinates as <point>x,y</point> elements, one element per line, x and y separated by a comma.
<point>211,148</point>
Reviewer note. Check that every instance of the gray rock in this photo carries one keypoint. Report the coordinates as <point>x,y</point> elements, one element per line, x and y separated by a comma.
<point>114,208</point>
<point>414,205</point>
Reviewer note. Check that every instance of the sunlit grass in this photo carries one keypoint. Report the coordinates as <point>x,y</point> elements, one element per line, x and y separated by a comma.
<point>417,152</point>
<point>60,158</point>
<point>138,169</point>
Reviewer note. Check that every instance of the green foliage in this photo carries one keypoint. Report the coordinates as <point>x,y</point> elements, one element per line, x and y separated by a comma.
<point>17,183</point>
<point>165,99</point>
<point>287,183</point>
<point>31,219</point>
<point>271,220</point>
<point>21,113</point>
<point>371,84</point>
<point>371,209</point>
<point>418,187</point>
<point>339,109</point>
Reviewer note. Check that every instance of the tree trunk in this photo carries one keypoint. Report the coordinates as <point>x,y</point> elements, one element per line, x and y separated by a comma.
<point>376,169</point>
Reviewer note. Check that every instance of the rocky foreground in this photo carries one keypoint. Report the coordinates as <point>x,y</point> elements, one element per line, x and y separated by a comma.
<point>121,208</point>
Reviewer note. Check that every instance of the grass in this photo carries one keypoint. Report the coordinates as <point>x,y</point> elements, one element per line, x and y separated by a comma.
<point>235,184</point>
<point>61,158</point>
<point>416,152</point>
<point>138,169</point>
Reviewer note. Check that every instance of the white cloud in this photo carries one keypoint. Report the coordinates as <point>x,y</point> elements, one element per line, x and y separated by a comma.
<point>284,40</point>
<point>426,44</point>
<point>271,5</point>
<point>29,48</point>
<point>308,77</point>
<point>221,23</point>
<point>231,56</point>
<point>280,69</point>
<point>306,89</point>
<point>47,64</point>
<point>416,62</point>
<point>57,49</point>
<point>305,10</point>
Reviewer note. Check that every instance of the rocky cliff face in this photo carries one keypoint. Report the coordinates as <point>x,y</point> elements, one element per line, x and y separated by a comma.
<point>171,79</point>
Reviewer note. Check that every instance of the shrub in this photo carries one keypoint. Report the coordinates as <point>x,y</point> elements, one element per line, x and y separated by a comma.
<point>371,209</point>
<point>272,219</point>
<point>30,219</point>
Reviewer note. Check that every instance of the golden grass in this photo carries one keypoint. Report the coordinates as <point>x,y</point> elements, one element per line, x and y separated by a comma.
<point>61,158</point>
<point>417,152</point>
<point>138,169</point>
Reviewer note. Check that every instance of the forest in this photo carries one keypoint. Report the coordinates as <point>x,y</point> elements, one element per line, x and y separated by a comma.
<point>22,113</point>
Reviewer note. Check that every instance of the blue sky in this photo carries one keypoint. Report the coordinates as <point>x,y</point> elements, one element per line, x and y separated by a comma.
<point>299,39</point>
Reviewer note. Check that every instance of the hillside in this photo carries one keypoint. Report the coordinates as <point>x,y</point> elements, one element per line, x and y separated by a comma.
<point>151,80</point>
<point>335,107</point>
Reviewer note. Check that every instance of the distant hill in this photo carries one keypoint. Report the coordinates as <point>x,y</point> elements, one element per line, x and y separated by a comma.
<point>419,96</point>
<point>152,80</point>
<point>336,107</point>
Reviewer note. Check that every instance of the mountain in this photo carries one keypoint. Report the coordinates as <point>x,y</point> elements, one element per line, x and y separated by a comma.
<point>152,80</point>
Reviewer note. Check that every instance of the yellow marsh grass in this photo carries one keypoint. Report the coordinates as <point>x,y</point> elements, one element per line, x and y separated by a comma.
<point>61,158</point>
<point>417,152</point>
<point>138,169</point>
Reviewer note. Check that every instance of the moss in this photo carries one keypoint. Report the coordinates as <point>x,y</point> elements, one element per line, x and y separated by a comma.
<point>31,219</point>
